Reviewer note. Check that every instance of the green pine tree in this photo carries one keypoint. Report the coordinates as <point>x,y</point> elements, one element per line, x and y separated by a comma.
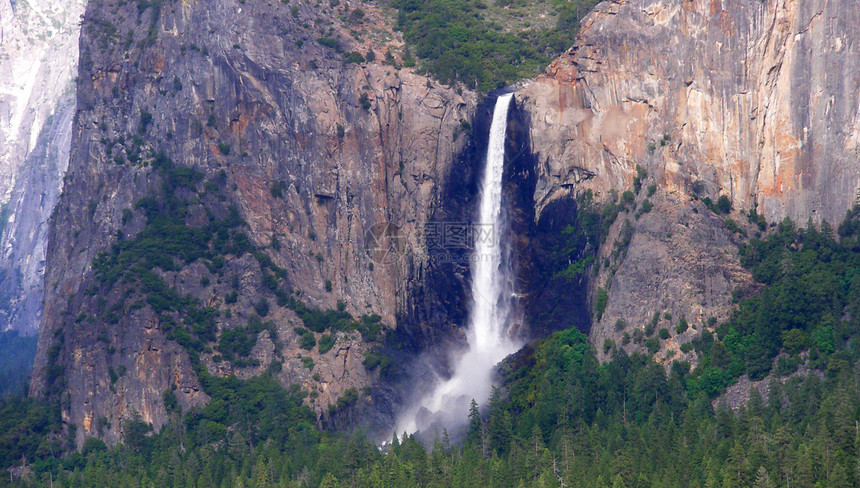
<point>475,425</point>
<point>762,479</point>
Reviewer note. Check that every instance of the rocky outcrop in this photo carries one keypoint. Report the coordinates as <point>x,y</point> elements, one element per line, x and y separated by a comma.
<point>38,61</point>
<point>273,104</point>
<point>676,264</point>
<point>754,100</point>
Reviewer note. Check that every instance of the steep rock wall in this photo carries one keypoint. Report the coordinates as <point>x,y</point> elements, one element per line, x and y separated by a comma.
<point>756,100</point>
<point>312,149</point>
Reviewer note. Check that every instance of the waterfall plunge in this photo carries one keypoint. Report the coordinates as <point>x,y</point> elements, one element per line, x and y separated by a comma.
<point>448,404</point>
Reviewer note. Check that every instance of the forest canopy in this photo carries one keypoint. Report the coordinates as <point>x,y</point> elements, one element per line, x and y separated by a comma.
<point>464,40</point>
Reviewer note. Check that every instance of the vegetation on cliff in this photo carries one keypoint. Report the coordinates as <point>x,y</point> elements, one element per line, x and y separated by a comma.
<point>168,242</point>
<point>464,40</point>
<point>562,417</point>
<point>807,312</point>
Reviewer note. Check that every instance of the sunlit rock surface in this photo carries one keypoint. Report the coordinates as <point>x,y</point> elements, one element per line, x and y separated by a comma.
<point>755,100</point>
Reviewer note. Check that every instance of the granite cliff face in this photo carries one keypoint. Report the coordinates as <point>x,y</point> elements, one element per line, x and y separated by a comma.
<point>290,130</point>
<point>302,132</point>
<point>38,62</point>
<point>754,100</point>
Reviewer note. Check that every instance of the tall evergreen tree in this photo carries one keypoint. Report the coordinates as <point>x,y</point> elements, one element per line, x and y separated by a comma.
<point>475,432</point>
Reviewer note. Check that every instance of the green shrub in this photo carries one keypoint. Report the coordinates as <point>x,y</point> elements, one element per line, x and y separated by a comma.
<point>373,359</point>
<point>326,342</point>
<point>308,362</point>
<point>724,205</point>
<point>145,121</point>
<point>347,399</point>
<point>353,57</point>
<point>733,226</point>
<point>356,15</point>
<point>652,345</point>
<point>171,403</point>
<point>262,307</point>
<point>641,174</point>
<point>236,344</point>
<point>329,43</point>
<point>627,198</point>
<point>364,101</point>
<point>307,341</point>
<point>663,333</point>
<point>650,327</point>
<point>646,207</point>
<point>600,300</point>
<point>760,221</point>
<point>608,344</point>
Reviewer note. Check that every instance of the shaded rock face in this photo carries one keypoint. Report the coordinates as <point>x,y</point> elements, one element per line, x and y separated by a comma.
<point>38,61</point>
<point>544,304</point>
<point>754,100</point>
<point>439,302</point>
<point>312,150</point>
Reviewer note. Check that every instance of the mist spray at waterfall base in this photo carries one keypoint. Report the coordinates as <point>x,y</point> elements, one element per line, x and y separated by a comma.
<point>447,405</point>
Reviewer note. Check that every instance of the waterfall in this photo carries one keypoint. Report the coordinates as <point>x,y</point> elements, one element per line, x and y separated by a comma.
<point>488,340</point>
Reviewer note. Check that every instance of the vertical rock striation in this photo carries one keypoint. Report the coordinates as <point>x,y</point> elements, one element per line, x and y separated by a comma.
<point>38,62</point>
<point>756,100</point>
<point>274,106</point>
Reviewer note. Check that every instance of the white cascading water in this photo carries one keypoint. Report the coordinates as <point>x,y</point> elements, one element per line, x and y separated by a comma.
<point>489,342</point>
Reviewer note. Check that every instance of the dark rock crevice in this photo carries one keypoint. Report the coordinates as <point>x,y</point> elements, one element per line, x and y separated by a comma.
<point>545,302</point>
